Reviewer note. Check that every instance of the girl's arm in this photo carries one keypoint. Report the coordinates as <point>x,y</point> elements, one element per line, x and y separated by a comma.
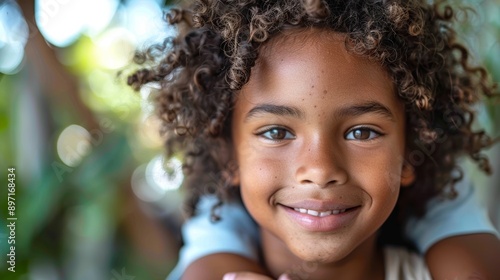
<point>473,256</point>
<point>457,237</point>
<point>213,267</point>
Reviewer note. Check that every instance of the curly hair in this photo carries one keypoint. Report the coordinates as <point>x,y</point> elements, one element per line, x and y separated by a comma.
<point>201,70</point>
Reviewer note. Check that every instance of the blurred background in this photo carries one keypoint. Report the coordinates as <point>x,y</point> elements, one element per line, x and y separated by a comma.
<point>93,200</point>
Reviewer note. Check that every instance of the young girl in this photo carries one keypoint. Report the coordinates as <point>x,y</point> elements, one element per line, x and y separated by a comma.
<point>336,120</point>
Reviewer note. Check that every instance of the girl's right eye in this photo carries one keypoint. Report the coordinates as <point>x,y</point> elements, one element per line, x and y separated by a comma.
<point>276,134</point>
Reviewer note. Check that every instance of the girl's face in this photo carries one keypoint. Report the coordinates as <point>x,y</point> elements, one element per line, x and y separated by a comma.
<point>319,141</point>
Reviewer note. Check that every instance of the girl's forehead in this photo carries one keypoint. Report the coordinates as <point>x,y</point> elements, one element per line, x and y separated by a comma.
<point>325,47</point>
<point>295,38</point>
<point>328,52</point>
<point>313,61</point>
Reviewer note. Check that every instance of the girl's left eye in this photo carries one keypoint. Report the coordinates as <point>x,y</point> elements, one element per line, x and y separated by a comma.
<point>277,133</point>
<point>362,134</point>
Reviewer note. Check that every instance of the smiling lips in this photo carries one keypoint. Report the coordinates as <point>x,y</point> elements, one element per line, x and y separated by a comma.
<point>313,216</point>
<point>319,213</point>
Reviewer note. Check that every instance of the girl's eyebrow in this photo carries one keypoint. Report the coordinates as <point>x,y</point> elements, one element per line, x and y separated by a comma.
<point>344,112</point>
<point>364,108</point>
<point>280,110</point>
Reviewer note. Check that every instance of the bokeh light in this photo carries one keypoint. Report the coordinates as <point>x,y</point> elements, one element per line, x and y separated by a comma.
<point>13,37</point>
<point>152,181</point>
<point>115,48</point>
<point>143,18</point>
<point>73,144</point>
<point>62,22</point>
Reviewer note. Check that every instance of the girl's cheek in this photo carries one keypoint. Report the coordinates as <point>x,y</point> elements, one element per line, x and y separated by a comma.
<point>266,171</point>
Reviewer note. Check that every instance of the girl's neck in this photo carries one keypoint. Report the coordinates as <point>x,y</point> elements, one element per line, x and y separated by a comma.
<point>365,262</point>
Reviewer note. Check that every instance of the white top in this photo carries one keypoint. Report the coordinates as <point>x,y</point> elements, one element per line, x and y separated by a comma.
<point>237,233</point>
<point>401,264</point>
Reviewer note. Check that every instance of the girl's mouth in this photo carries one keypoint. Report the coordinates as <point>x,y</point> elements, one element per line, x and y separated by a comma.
<point>319,213</point>
<point>321,220</point>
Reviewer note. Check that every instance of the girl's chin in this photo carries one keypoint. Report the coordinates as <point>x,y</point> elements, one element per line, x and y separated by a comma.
<point>320,256</point>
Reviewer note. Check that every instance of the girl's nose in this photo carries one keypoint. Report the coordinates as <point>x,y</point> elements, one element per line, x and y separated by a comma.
<point>320,163</point>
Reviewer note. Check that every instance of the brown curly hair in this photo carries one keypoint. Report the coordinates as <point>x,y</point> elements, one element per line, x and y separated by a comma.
<point>201,70</point>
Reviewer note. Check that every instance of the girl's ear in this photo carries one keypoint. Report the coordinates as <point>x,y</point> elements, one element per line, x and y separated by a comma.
<point>407,175</point>
<point>235,179</point>
<point>232,175</point>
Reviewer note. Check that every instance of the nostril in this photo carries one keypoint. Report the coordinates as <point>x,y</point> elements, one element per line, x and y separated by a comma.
<point>320,173</point>
<point>318,184</point>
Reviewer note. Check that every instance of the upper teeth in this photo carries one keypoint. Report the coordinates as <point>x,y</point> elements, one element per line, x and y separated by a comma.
<point>318,213</point>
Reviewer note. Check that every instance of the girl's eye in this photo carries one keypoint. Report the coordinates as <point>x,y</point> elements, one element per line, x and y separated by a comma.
<point>362,134</point>
<point>277,133</point>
